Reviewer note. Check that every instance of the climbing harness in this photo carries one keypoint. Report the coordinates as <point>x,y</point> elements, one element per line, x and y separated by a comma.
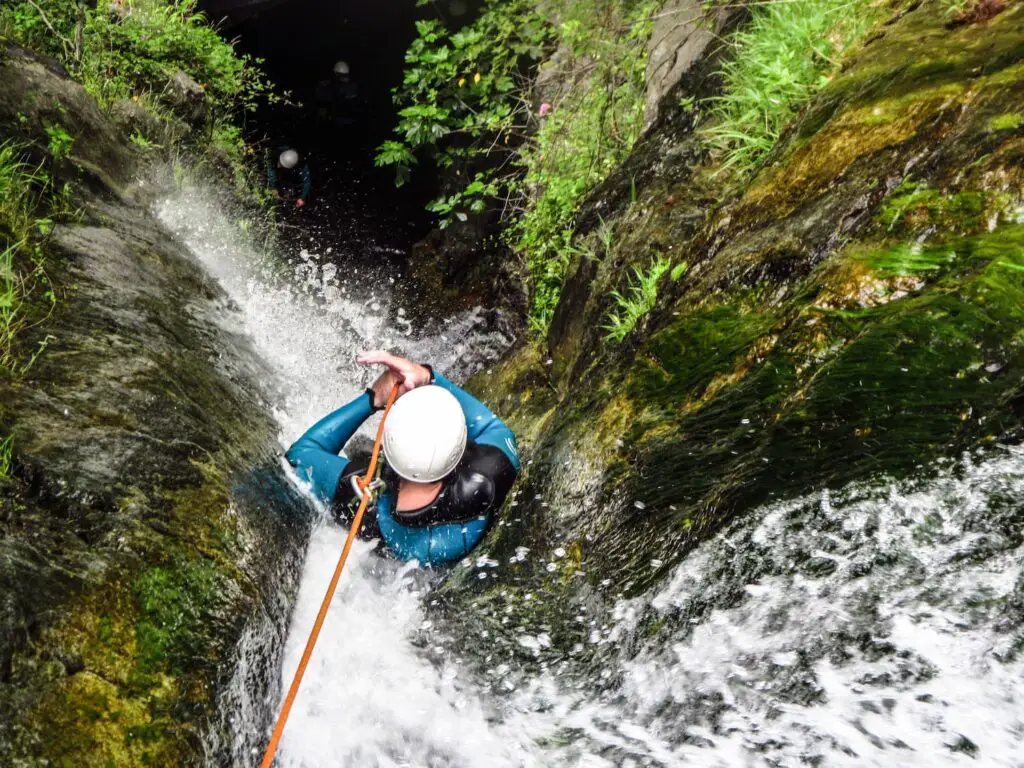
<point>360,486</point>
<point>366,491</point>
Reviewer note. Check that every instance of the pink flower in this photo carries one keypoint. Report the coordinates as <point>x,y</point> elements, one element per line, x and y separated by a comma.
<point>544,109</point>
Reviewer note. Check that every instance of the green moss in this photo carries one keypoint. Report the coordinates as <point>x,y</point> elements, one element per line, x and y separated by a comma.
<point>175,604</point>
<point>1007,121</point>
<point>914,206</point>
<point>906,86</point>
<point>681,361</point>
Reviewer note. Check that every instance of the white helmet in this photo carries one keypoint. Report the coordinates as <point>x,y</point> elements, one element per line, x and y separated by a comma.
<point>289,158</point>
<point>425,434</point>
<point>341,68</point>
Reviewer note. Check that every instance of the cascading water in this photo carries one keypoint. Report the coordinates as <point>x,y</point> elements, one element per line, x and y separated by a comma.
<point>368,697</point>
<point>876,625</point>
<point>879,625</point>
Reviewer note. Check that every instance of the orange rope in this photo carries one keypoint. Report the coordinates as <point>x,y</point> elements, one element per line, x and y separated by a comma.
<point>286,708</point>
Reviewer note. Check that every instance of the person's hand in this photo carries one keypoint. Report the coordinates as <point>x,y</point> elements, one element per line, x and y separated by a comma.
<point>407,374</point>
<point>299,203</point>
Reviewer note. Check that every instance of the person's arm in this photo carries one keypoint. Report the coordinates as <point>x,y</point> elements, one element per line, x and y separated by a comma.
<point>315,454</point>
<point>482,426</point>
<point>307,181</point>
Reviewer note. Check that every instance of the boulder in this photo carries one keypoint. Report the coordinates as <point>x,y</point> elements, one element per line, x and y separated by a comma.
<point>186,98</point>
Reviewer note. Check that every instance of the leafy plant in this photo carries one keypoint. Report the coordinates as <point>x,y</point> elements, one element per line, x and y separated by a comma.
<point>59,142</point>
<point>582,138</point>
<point>140,141</point>
<point>133,49</point>
<point>787,52</point>
<point>640,298</point>
<point>27,199</point>
<point>19,191</point>
<point>956,7</point>
<point>466,103</point>
<point>461,96</point>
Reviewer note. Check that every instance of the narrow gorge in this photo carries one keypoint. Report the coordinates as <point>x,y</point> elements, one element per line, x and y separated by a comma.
<point>746,281</point>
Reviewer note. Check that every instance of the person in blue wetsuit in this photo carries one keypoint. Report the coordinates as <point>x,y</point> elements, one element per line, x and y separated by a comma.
<point>448,463</point>
<point>288,175</point>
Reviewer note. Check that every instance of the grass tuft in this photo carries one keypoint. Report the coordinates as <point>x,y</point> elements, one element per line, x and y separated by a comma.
<point>780,60</point>
<point>23,191</point>
<point>6,458</point>
<point>640,299</point>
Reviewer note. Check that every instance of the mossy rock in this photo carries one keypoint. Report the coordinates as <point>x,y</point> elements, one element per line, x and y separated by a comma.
<point>147,522</point>
<point>852,311</point>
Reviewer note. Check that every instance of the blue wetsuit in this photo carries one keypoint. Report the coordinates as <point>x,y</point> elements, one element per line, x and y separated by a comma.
<point>446,529</point>
<point>297,182</point>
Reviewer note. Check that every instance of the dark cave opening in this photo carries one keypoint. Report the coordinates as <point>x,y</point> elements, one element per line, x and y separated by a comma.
<point>336,123</point>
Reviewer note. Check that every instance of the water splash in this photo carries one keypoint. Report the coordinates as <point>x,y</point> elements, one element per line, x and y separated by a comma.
<point>369,697</point>
<point>876,625</point>
<point>880,625</point>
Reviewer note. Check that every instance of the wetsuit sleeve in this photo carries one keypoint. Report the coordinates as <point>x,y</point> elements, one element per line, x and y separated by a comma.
<point>315,454</point>
<point>483,427</point>
<point>307,182</point>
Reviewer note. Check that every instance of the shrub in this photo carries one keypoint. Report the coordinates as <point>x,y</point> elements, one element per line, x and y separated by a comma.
<point>466,102</point>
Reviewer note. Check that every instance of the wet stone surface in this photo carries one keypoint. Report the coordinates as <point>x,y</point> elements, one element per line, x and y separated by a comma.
<point>148,522</point>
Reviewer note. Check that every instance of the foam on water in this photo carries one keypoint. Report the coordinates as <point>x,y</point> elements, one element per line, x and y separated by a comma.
<point>369,696</point>
<point>877,625</point>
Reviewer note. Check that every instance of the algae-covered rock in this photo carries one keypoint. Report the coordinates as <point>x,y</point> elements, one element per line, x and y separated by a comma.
<point>146,524</point>
<point>854,310</point>
<point>35,96</point>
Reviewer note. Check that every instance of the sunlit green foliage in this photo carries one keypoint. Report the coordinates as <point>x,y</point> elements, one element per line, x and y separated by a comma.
<point>463,97</point>
<point>131,47</point>
<point>639,299</point>
<point>6,458</point>
<point>59,142</point>
<point>467,103</point>
<point>590,128</point>
<point>787,52</point>
<point>27,200</point>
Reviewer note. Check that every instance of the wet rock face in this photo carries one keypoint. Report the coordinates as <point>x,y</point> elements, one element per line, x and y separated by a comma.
<point>35,94</point>
<point>186,98</point>
<point>148,522</point>
<point>682,37</point>
<point>850,311</point>
<point>462,267</point>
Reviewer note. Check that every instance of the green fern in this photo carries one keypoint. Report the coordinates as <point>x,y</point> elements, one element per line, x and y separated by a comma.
<point>639,299</point>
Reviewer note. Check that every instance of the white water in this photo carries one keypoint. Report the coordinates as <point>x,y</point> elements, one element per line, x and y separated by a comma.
<point>368,697</point>
<point>867,627</point>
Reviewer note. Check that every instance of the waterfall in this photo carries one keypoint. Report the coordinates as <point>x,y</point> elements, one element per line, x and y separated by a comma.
<point>877,624</point>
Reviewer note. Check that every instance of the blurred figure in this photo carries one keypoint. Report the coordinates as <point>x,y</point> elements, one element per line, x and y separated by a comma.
<point>337,97</point>
<point>289,176</point>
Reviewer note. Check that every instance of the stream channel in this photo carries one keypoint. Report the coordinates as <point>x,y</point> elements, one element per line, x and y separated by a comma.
<point>876,625</point>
